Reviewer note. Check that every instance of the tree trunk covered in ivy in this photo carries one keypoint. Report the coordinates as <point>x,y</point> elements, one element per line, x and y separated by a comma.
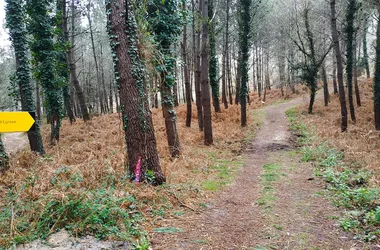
<point>15,21</point>
<point>365,49</point>
<point>213,59</point>
<point>73,71</point>
<point>165,23</point>
<point>186,72</point>
<point>339,64</point>
<point>244,30</point>
<point>129,76</point>
<point>350,31</point>
<point>376,85</point>
<point>42,47</point>
<point>198,92</point>
<point>4,160</point>
<point>62,65</point>
<point>208,138</point>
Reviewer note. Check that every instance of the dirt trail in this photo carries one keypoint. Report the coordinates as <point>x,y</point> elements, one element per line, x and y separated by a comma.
<point>297,218</point>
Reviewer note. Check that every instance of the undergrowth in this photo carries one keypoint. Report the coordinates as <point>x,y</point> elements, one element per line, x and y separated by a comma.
<point>81,185</point>
<point>347,184</point>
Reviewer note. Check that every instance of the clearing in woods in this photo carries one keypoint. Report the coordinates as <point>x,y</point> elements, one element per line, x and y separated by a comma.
<point>273,203</point>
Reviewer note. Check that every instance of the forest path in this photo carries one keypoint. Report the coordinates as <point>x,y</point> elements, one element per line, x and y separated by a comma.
<point>273,203</point>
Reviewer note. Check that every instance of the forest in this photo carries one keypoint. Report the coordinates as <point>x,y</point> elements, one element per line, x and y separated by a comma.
<point>191,124</point>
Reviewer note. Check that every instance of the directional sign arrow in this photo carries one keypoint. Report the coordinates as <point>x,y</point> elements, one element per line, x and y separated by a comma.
<point>16,121</point>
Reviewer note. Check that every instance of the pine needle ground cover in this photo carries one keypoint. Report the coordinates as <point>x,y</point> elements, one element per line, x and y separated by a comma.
<point>82,185</point>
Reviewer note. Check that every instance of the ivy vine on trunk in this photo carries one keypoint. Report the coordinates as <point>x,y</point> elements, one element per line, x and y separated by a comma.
<point>42,47</point>
<point>15,21</point>
<point>165,22</point>
<point>134,105</point>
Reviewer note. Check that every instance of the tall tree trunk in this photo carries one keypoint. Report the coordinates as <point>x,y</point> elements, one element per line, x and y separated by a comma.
<point>42,47</point>
<point>376,85</point>
<point>244,28</point>
<point>365,50</point>
<point>335,85</point>
<point>63,39</point>
<point>98,80</point>
<point>258,70</point>
<point>356,84</point>
<point>213,59</point>
<point>208,138</point>
<point>38,102</point>
<point>186,72</point>
<point>111,96</point>
<point>325,85</point>
<point>198,93</point>
<point>224,77</point>
<point>342,96</point>
<point>136,115</point>
<point>238,78</point>
<point>350,31</point>
<point>73,71</point>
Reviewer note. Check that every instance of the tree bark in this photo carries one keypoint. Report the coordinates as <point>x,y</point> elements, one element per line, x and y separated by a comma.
<point>342,96</point>
<point>325,85</point>
<point>335,85</point>
<point>208,138</point>
<point>213,63</point>
<point>350,30</point>
<point>365,50</point>
<point>356,84</point>
<point>186,73</point>
<point>376,85</point>
<point>64,39</point>
<point>136,115</point>
<point>73,71</point>
<point>198,93</point>
<point>224,77</point>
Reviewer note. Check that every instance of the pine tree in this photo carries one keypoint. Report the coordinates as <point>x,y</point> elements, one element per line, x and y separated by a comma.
<point>342,95</point>
<point>213,61</point>
<point>62,67</point>
<point>134,105</point>
<point>350,31</point>
<point>15,20</point>
<point>244,30</point>
<point>205,86</point>
<point>42,48</point>
<point>376,85</point>
<point>165,22</point>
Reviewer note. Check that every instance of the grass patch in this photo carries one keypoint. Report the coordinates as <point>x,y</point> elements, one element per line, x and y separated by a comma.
<point>348,185</point>
<point>222,172</point>
<point>271,173</point>
<point>101,213</point>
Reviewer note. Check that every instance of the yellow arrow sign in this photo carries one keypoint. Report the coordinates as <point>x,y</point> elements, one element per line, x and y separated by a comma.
<point>15,122</point>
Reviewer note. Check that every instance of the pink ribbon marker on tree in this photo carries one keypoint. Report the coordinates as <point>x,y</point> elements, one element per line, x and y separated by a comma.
<point>138,170</point>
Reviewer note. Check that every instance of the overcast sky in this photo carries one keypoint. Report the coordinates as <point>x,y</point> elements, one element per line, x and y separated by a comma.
<point>4,41</point>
